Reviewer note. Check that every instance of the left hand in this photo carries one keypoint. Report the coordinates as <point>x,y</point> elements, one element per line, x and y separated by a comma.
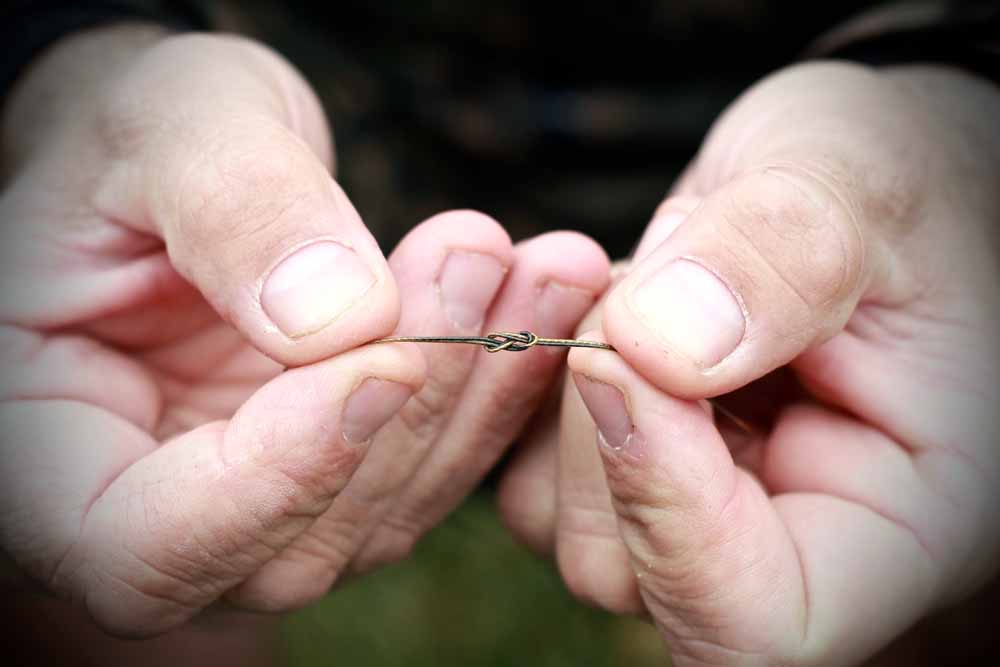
<point>853,213</point>
<point>155,458</point>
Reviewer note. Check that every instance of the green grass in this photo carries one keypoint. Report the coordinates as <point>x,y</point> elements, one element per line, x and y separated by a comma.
<point>469,595</point>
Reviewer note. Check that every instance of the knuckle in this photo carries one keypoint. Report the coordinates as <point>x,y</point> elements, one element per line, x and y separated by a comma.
<point>332,543</point>
<point>691,561</point>
<point>425,414</point>
<point>130,605</point>
<point>218,196</point>
<point>696,519</point>
<point>806,229</point>
<point>512,400</point>
<point>330,470</point>
<point>206,159</point>
<point>580,522</point>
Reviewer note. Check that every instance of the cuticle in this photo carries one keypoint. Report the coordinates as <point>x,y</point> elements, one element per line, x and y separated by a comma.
<point>449,251</point>
<point>625,396</point>
<point>542,283</point>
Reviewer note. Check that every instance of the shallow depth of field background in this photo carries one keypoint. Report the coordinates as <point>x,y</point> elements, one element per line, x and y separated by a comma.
<point>469,596</point>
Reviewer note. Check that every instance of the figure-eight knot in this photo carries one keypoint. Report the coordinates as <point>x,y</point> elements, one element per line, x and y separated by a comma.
<point>506,340</point>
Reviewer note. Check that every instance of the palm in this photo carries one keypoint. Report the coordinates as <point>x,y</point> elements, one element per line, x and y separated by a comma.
<point>204,376</point>
<point>167,337</point>
<point>846,255</point>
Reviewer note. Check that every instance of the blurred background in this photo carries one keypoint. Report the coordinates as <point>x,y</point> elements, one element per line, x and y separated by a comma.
<point>545,116</point>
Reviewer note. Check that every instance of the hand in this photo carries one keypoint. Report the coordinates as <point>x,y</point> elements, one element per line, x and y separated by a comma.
<point>172,240</point>
<point>839,229</point>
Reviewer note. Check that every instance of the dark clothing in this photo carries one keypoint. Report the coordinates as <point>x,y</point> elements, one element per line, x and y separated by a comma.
<point>542,116</point>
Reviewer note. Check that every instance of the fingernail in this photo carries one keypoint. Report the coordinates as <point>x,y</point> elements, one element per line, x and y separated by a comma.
<point>559,307</point>
<point>371,405</point>
<point>467,285</point>
<point>606,405</point>
<point>692,311</point>
<point>311,287</point>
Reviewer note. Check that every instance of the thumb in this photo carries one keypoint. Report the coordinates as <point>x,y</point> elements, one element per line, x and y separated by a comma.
<point>773,262</point>
<point>228,169</point>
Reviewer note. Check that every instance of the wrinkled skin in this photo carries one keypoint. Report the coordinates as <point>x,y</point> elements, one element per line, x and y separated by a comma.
<point>850,218</point>
<point>157,462</point>
<point>159,466</point>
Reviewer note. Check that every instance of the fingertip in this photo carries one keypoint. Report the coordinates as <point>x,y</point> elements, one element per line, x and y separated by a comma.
<point>591,362</point>
<point>668,217</point>
<point>451,268</point>
<point>636,418</point>
<point>408,364</point>
<point>316,395</point>
<point>569,258</point>
<point>640,347</point>
<point>396,362</point>
<point>462,229</point>
<point>526,497</point>
<point>561,274</point>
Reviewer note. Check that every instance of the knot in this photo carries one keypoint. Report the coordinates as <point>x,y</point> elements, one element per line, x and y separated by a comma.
<point>505,340</point>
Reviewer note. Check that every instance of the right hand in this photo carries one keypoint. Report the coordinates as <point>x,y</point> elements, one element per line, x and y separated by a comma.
<point>172,239</point>
<point>831,257</point>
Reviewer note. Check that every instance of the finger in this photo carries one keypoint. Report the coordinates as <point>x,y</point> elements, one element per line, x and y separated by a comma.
<point>729,577</point>
<point>155,544</point>
<point>75,368</point>
<point>864,466</point>
<point>449,270</point>
<point>526,497</point>
<point>232,174</point>
<point>771,263</point>
<point>668,217</point>
<point>767,266</point>
<point>554,281</point>
<point>590,554</point>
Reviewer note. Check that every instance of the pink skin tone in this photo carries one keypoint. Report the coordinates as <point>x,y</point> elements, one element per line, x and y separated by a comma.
<point>156,472</point>
<point>835,224</point>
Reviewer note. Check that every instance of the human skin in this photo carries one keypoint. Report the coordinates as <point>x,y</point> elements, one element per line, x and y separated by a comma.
<point>833,252</point>
<point>173,238</point>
